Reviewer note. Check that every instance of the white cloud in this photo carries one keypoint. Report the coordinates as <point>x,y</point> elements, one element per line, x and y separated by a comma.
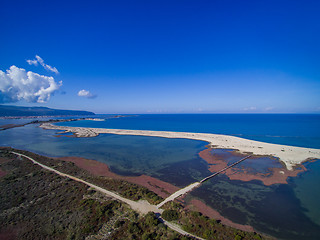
<point>18,84</point>
<point>87,94</point>
<point>250,109</point>
<point>269,108</point>
<point>41,61</point>
<point>32,62</point>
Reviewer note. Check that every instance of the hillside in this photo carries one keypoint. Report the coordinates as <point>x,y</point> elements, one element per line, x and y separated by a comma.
<point>39,204</point>
<point>14,111</point>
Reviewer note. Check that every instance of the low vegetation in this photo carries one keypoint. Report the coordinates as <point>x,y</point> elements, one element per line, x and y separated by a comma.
<point>39,204</point>
<point>148,227</point>
<point>170,215</point>
<point>202,226</point>
<point>124,188</point>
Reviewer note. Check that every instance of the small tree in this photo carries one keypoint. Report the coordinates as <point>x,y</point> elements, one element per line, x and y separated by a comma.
<point>170,215</point>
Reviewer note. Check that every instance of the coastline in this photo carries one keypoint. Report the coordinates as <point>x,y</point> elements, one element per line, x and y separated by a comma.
<point>289,155</point>
<point>76,175</point>
<point>160,187</point>
<point>273,176</point>
<point>96,168</point>
<point>198,205</point>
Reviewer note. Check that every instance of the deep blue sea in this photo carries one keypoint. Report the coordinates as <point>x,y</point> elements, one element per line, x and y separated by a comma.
<point>285,211</point>
<point>289,129</point>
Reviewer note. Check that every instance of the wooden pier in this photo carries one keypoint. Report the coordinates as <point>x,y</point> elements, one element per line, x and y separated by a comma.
<point>224,169</point>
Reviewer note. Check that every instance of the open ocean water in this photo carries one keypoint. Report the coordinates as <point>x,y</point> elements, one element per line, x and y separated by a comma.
<point>301,130</point>
<point>286,211</point>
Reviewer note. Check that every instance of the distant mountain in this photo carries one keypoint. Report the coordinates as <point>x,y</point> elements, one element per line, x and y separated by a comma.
<point>15,111</point>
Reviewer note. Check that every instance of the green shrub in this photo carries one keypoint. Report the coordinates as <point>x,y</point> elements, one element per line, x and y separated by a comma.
<point>237,237</point>
<point>148,236</point>
<point>170,215</point>
<point>133,228</point>
<point>151,220</point>
<point>119,223</point>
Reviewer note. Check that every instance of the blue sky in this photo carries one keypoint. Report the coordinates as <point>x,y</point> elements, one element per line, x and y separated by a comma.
<point>162,56</point>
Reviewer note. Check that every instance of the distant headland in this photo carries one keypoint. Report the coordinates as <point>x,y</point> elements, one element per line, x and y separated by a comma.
<point>17,111</point>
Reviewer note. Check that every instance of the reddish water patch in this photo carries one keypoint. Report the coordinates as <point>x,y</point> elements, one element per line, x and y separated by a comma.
<point>273,176</point>
<point>197,205</point>
<point>92,166</point>
<point>161,188</point>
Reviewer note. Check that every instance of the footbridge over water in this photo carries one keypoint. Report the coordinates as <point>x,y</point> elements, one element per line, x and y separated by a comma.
<point>224,169</point>
<point>192,186</point>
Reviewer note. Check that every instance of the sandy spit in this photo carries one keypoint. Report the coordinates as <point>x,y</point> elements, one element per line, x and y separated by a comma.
<point>289,155</point>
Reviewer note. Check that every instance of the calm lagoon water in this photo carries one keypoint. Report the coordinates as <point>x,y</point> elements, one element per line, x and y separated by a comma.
<point>127,155</point>
<point>286,211</point>
<point>289,129</point>
<point>275,210</point>
<point>252,165</point>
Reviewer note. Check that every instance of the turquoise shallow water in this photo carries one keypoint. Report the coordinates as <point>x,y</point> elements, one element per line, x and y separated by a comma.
<point>127,155</point>
<point>289,129</point>
<point>304,187</point>
<point>288,211</point>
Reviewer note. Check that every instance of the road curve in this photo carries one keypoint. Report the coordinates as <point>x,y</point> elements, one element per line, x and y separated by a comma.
<point>141,206</point>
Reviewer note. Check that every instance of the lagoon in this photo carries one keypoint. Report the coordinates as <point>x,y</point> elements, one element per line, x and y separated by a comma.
<point>286,211</point>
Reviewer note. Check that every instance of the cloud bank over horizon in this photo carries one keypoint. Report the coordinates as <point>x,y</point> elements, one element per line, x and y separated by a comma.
<point>18,84</point>
<point>40,61</point>
<point>87,94</point>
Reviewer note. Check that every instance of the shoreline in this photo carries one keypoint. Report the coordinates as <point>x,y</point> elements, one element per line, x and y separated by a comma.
<point>273,176</point>
<point>163,189</point>
<point>158,186</point>
<point>76,175</point>
<point>200,206</point>
<point>289,155</point>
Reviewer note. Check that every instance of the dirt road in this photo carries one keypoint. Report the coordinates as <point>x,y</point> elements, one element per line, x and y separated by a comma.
<point>140,206</point>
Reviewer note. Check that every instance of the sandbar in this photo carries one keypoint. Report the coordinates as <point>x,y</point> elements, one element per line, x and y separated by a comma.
<point>289,155</point>
<point>273,176</point>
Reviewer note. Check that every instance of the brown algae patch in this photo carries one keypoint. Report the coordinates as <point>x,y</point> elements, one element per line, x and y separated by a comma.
<point>270,173</point>
<point>96,168</point>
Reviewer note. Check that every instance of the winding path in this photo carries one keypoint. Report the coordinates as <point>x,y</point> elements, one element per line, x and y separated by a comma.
<point>141,206</point>
<point>190,187</point>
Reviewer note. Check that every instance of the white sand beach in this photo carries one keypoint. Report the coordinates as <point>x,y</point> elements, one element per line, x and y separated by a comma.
<point>289,155</point>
